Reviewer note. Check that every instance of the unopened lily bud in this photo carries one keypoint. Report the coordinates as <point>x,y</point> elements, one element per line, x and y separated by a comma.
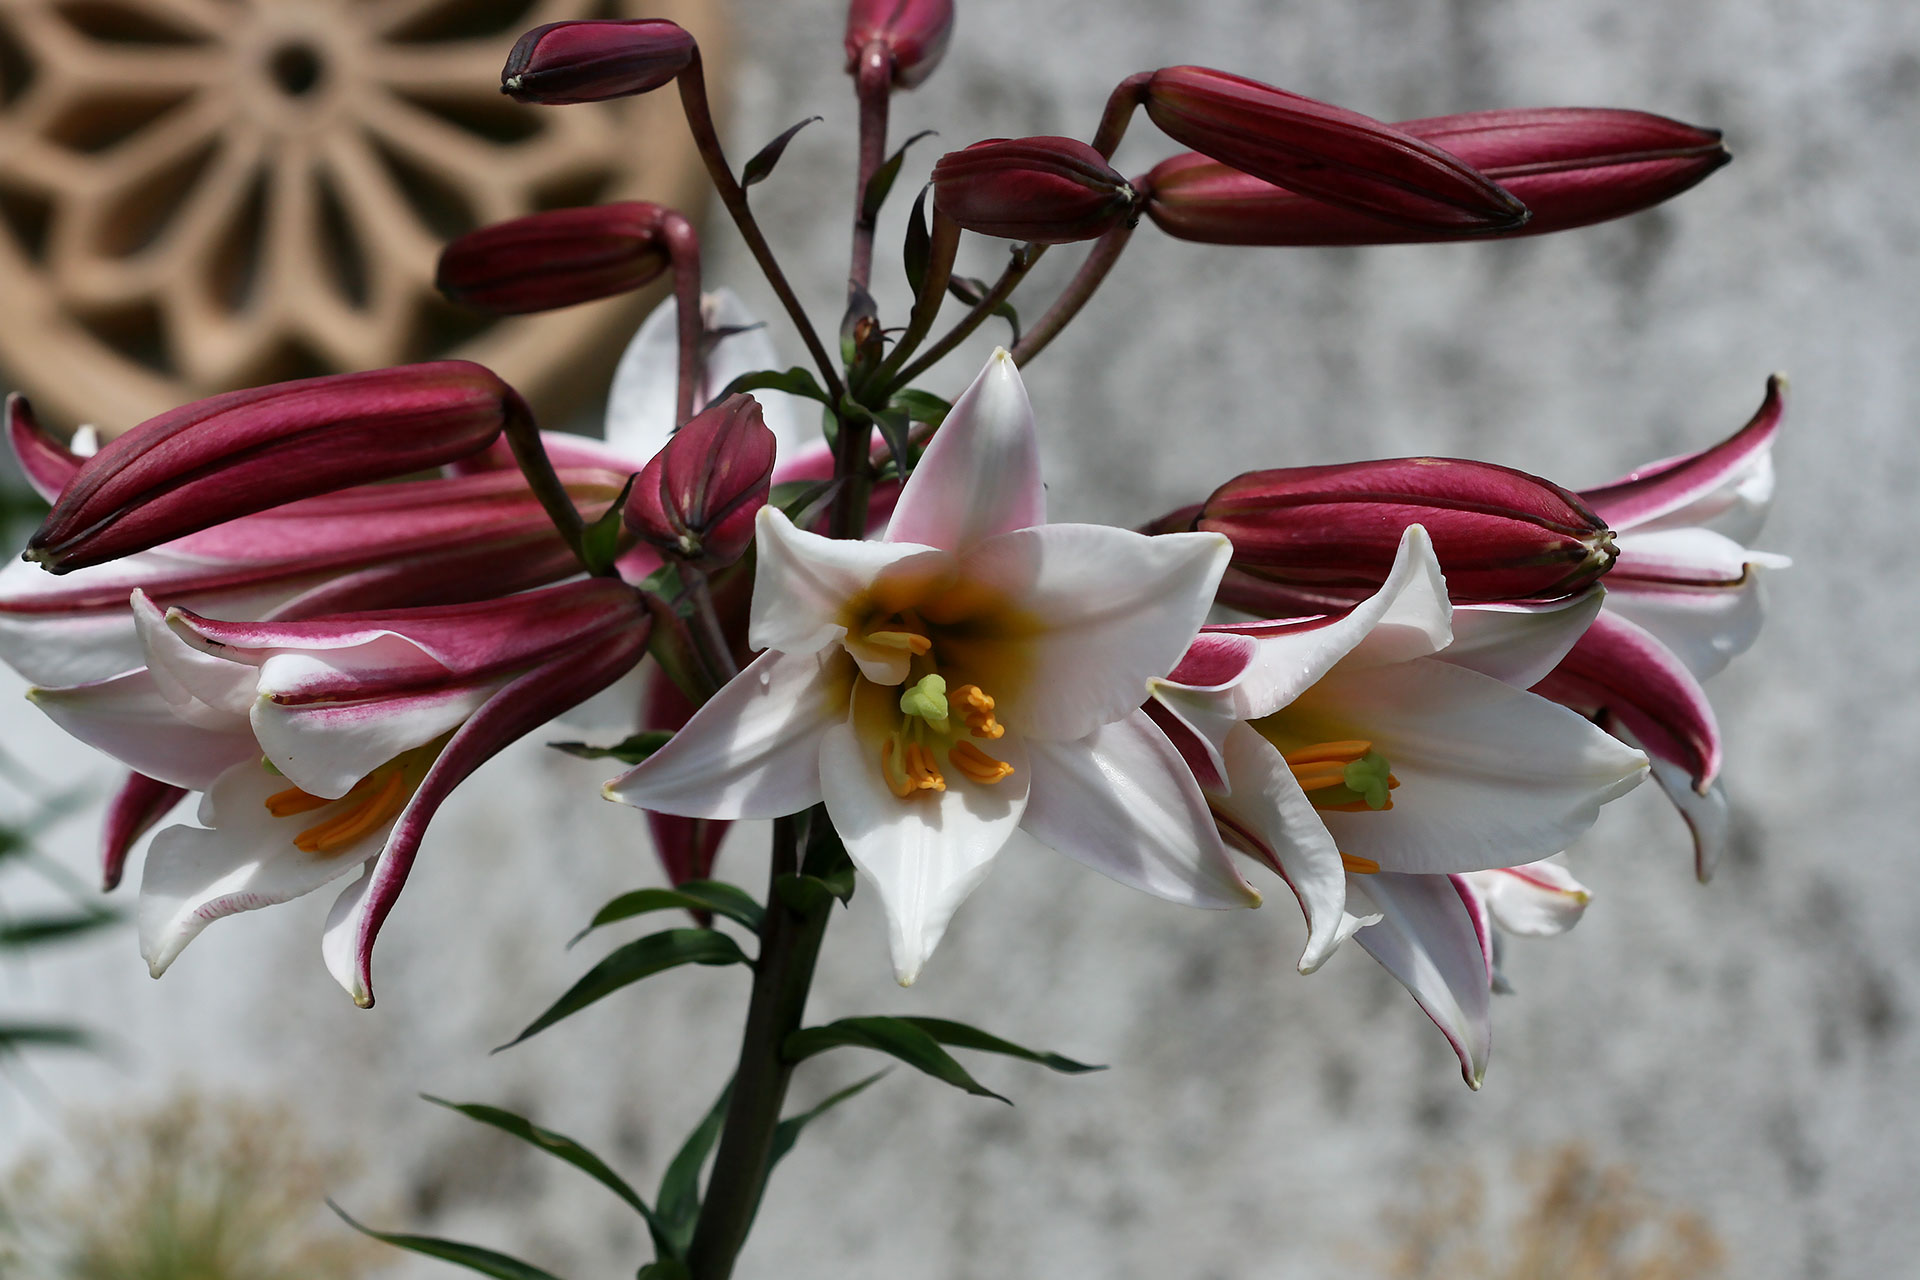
<point>593,61</point>
<point>1322,150</point>
<point>1571,166</point>
<point>245,451</point>
<point>695,501</point>
<point>1043,190</point>
<point>915,33</point>
<point>1332,532</point>
<point>556,259</point>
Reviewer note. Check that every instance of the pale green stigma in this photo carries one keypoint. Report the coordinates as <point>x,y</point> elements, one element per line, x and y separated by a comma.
<point>1369,777</point>
<point>928,700</point>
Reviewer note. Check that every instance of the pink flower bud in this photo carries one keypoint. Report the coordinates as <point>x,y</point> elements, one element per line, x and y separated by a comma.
<point>555,259</point>
<point>1340,156</point>
<point>915,33</point>
<point>696,499</point>
<point>1045,190</point>
<point>1330,533</point>
<point>1571,166</point>
<point>245,451</point>
<point>592,61</point>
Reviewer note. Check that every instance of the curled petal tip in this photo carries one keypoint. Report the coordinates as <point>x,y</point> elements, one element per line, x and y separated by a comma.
<point>364,1000</point>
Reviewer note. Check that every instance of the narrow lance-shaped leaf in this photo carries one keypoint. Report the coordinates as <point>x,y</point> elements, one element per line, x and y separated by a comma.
<point>554,1144</point>
<point>895,1036</point>
<point>918,250</point>
<point>30,931</point>
<point>787,1132</point>
<point>973,292</point>
<point>630,750</point>
<point>794,381</point>
<point>761,166</point>
<point>652,954</point>
<point>47,1035</point>
<point>600,543</point>
<point>666,1269</point>
<point>881,183</point>
<point>678,1199</point>
<point>471,1256</point>
<point>693,895</point>
<point>962,1036</point>
<point>921,406</point>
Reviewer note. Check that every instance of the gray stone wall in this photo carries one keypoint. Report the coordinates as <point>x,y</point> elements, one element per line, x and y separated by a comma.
<point>1747,1048</point>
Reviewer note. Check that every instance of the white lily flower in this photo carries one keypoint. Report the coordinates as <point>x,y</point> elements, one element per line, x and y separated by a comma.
<point>977,672</point>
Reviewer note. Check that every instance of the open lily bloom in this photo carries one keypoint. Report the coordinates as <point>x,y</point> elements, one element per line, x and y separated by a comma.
<point>976,673</point>
<point>1383,752</point>
<point>1684,598</point>
<point>327,745</point>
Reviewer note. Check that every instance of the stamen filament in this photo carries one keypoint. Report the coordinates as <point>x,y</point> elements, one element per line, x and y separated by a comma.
<point>922,769</point>
<point>976,764</point>
<point>897,781</point>
<point>1322,752</point>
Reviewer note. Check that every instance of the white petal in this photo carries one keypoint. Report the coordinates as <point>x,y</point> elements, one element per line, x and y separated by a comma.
<point>1538,900</point>
<point>340,940</point>
<point>641,403</point>
<point>806,588</point>
<point>1429,938</point>
<point>202,689</point>
<point>1705,627</point>
<point>924,855</point>
<point>128,719</point>
<point>244,859</point>
<point>1706,816</point>
<point>1490,775</point>
<point>1736,507</point>
<point>324,748</point>
<point>980,476</point>
<point>1091,614</point>
<point>1519,644</point>
<point>1268,814</point>
<point>753,751</point>
<point>1122,801</point>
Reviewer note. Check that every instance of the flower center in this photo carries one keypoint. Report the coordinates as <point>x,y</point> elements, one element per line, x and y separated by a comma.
<point>373,802</point>
<point>936,723</point>
<point>1346,777</point>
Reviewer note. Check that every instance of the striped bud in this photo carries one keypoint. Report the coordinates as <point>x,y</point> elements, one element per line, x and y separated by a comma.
<point>556,259</point>
<point>1044,190</point>
<point>1325,537</point>
<point>915,33</point>
<point>695,501</point>
<point>1571,166</point>
<point>593,61</point>
<point>1340,156</point>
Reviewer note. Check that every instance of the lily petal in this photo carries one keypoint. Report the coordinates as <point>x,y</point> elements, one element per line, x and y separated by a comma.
<point>1519,644</point>
<point>1706,812</point>
<point>980,476</point>
<point>46,463</point>
<point>138,804</point>
<point>1538,900</point>
<point>1433,937</point>
<point>752,750</point>
<point>1621,669</point>
<point>804,584</point>
<point>325,748</point>
<point>1705,627</point>
<point>924,856</point>
<point>1122,801</point>
<point>129,719</point>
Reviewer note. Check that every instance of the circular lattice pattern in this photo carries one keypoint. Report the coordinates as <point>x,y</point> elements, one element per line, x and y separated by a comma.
<point>197,195</point>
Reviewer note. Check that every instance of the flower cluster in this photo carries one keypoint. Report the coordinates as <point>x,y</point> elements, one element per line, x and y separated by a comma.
<point>1404,687</point>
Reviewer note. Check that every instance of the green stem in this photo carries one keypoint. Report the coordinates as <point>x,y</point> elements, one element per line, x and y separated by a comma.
<point>789,945</point>
<point>943,243</point>
<point>709,637</point>
<point>1023,260</point>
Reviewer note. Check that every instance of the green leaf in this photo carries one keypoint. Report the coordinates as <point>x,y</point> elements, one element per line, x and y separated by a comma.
<point>678,1199</point>
<point>631,750</point>
<point>882,180</point>
<point>912,1045</point>
<point>470,1256</point>
<point>30,931</point>
<point>600,541</point>
<point>962,1036</point>
<point>554,1144</point>
<point>974,292</point>
<point>694,895</point>
<point>655,953</point>
<point>768,156</point>
<point>918,251</point>
<point>795,381</point>
<point>787,1132</point>
<point>669,1269</point>
<point>21,1035</point>
<point>802,501</point>
<point>921,406</point>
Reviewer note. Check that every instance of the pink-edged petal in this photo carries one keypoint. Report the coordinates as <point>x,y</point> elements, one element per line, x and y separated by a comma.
<point>1538,900</point>
<point>138,804</point>
<point>804,585</point>
<point>1705,812</point>
<point>1705,627</point>
<point>241,858</point>
<point>1122,801</point>
<point>1268,816</point>
<point>923,855</point>
<point>1519,644</point>
<point>1727,487</point>
<point>642,401</point>
<point>1489,775</point>
<point>1687,557</point>
<point>324,748</point>
<point>1620,669</point>
<point>753,750</point>
<point>520,707</point>
<point>1408,617</point>
<point>1076,619</point>
<point>1433,937</point>
<point>200,688</point>
<point>127,718</point>
<point>45,462</point>
<point>980,476</point>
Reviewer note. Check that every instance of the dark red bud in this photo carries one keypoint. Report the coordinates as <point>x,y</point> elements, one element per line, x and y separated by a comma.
<point>696,500</point>
<point>245,451</point>
<point>593,61</point>
<point>915,33</point>
<point>556,259</point>
<point>1045,190</point>
<point>1340,156</point>
<point>1571,166</point>
<point>1331,533</point>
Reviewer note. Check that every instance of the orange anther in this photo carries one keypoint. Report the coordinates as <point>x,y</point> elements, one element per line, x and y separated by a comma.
<point>1359,866</point>
<point>284,804</point>
<point>374,808</point>
<point>976,764</point>
<point>922,769</point>
<point>911,641</point>
<point>975,708</point>
<point>1323,752</point>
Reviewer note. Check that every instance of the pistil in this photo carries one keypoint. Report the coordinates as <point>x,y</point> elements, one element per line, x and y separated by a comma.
<point>1348,776</point>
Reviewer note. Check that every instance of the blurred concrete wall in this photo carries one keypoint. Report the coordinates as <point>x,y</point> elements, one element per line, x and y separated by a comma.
<point>1749,1048</point>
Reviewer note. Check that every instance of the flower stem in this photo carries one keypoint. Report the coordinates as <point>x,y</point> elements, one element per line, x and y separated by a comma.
<point>1022,262</point>
<point>693,99</point>
<point>873,84</point>
<point>789,944</point>
<point>1106,252</point>
<point>1121,104</point>
<point>683,248</point>
<point>708,635</point>
<point>523,438</point>
<point>943,244</point>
